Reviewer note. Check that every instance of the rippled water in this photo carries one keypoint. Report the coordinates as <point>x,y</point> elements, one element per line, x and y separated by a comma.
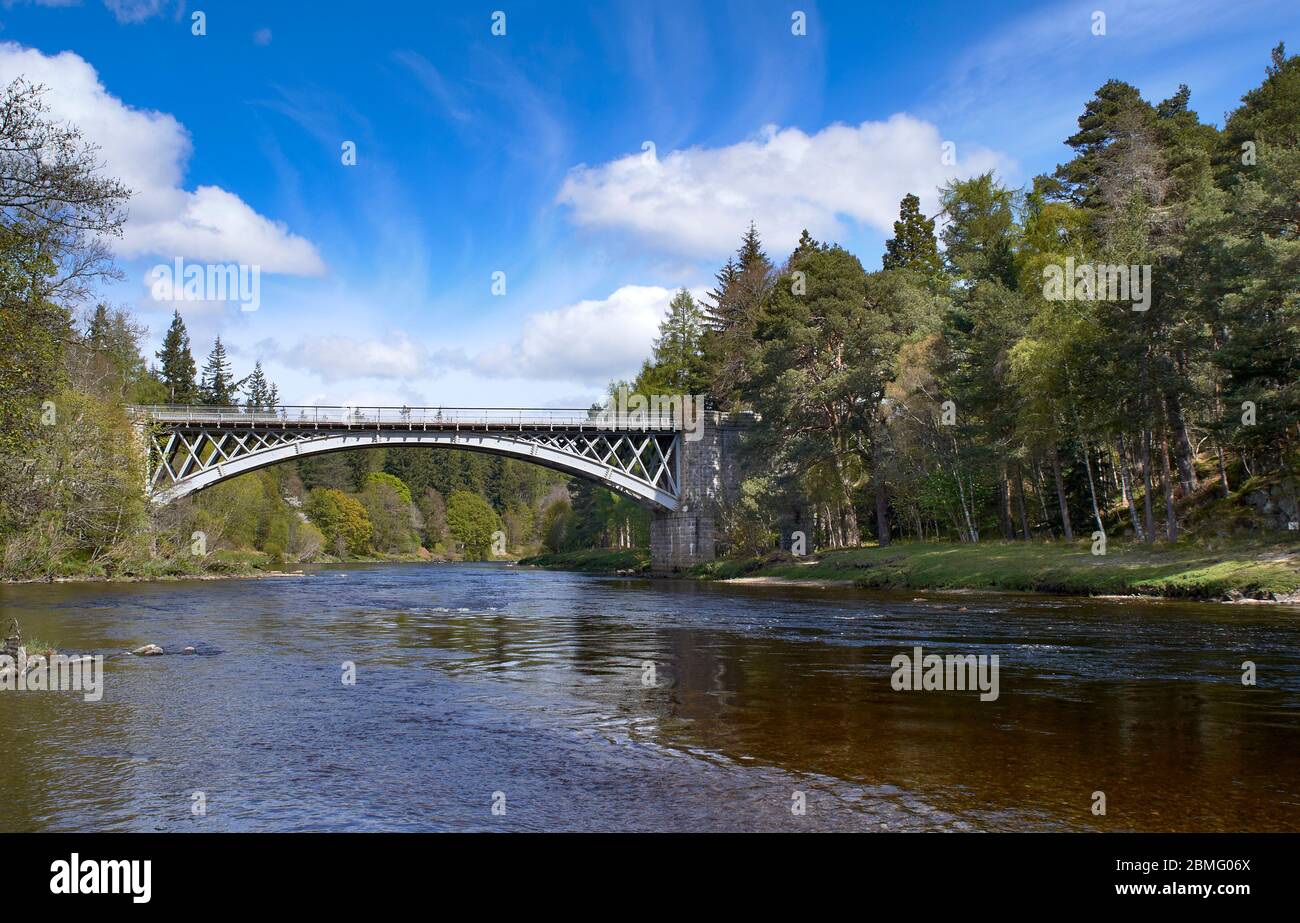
<point>482,679</point>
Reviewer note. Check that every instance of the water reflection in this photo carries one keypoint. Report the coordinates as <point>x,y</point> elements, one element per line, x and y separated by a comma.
<point>477,679</point>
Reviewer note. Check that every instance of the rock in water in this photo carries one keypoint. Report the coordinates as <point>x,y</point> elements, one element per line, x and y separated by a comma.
<point>189,650</point>
<point>149,650</point>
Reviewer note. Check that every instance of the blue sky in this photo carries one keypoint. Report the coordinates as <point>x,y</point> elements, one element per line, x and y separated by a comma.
<point>599,155</point>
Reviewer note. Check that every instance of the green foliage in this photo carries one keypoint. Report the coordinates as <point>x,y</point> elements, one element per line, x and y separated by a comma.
<point>396,483</point>
<point>178,370</point>
<point>471,522</point>
<point>913,246</point>
<point>389,510</point>
<point>342,520</point>
<point>218,386</point>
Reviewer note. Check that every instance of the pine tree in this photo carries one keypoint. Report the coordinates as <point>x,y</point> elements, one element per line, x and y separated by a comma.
<point>218,386</point>
<point>178,369</point>
<point>678,352</point>
<point>744,285</point>
<point>913,245</point>
<point>260,394</point>
<point>97,331</point>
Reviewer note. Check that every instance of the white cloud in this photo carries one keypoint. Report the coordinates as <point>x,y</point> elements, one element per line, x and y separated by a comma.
<point>699,200</point>
<point>590,341</point>
<point>340,358</point>
<point>148,151</point>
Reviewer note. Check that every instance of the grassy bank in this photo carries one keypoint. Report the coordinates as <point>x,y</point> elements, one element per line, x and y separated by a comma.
<point>1254,570</point>
<point>595,560</point>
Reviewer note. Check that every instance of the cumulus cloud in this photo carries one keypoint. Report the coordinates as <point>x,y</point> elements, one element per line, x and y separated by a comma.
<point>340,358</point>
<point>591,341</point>
<point>697,200</point>
<point>148,152</point>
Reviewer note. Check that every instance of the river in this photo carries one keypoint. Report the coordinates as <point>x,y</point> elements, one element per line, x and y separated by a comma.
<point>491,697</point>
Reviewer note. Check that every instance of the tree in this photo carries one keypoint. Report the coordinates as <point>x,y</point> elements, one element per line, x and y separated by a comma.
<point>342,520</point>
<point>178,370</point>
<point>913,246</point>
<point>471,522</point>
<point>260,394</point>
<point>396,483</point>
<point>218,386</point>
<point>677,363</point>
<point>826,356</point>
<point>388,507</point>
<point>434,512</point>
<point>736,305</point>
<point>56,211</point>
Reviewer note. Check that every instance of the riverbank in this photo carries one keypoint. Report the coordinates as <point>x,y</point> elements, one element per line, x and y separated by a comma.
<point>222,565</point>
<point>1266,571</point>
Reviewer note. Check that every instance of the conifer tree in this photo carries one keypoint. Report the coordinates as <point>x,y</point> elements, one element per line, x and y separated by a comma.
<point>218,386</point>
<point>913,245</point>
<point>178,368</point>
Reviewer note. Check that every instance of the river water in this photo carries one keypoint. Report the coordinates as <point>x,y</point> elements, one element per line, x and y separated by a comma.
<point>490,697</point>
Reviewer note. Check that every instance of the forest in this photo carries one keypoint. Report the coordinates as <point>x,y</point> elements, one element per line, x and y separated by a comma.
<point>955,394</point>
<point>952,395</point>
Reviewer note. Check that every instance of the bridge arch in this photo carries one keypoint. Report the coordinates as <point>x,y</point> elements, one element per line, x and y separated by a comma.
<point>493,443</point>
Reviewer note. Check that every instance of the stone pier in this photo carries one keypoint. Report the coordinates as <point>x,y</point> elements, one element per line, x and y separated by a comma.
<point>710,474</point>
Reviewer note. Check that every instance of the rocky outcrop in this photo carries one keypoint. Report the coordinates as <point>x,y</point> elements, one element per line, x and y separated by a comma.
<point>1276,505</point>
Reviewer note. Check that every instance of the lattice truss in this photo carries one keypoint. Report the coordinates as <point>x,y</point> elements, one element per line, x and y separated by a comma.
<point>180,453</point>
<point>646,457</point>
<point>176,454</point>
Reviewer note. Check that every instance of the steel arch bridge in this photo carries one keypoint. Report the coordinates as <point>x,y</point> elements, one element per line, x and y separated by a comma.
<point>190,448</point>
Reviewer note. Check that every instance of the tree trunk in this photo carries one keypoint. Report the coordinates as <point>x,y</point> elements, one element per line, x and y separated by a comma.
<point>1182,444</point>
<point>882,509</point>
<point>1148,514</point>
<point>1223,473</point>
<point>1020,501</point>
<point>1171,510</point>
<point>1126,488</point>
<point>1004,505</point>
<point>1060,497</point>
<point>852,535</point>
<point>1092,490</point>
<point>1041,493</point>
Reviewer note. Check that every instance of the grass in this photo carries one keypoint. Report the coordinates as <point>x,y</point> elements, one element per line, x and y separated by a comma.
<point>1258,570</point>
<point>37,647</point>
<point>595,560</point>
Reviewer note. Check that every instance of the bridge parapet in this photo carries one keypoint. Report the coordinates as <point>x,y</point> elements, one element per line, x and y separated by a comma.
<point>349,417</point>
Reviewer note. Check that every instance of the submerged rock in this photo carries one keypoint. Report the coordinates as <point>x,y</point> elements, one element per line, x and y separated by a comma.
<point>189,650</point>
<point>149,650</point>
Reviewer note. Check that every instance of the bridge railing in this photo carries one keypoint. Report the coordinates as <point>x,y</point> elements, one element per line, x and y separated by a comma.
<point>468,417</point>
